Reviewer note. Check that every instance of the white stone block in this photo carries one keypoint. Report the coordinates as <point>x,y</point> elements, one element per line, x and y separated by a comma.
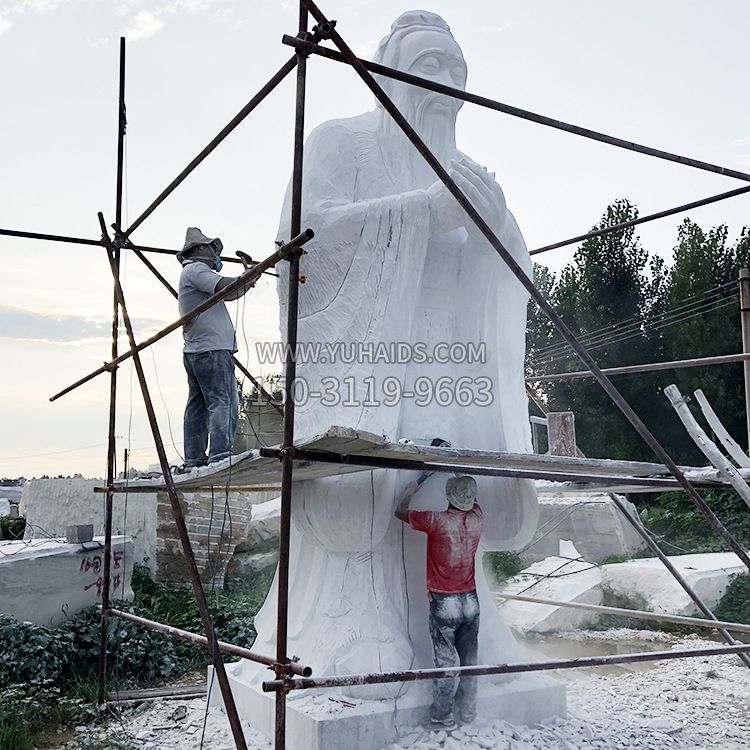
<point>51,505</point>
<point>560,578</point>
<point>48,581</point>
<point>591,521</point>
<point>647,579</point>
<point>324,719</point>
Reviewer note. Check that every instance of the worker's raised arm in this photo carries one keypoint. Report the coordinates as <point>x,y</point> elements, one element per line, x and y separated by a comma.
<point>402,509</point>
<point>225,281</point>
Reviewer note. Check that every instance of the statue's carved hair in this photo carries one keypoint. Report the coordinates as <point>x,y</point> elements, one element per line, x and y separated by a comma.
<point>411,20</point>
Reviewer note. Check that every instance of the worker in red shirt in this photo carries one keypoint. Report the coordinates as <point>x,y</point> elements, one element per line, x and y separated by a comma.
<point>452,541</point>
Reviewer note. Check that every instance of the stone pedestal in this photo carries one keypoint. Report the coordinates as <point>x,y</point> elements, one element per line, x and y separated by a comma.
<point>328,720</point>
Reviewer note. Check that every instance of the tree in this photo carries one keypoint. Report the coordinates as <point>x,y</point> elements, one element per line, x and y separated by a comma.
<point>603,297</point>
<point>627,309</point>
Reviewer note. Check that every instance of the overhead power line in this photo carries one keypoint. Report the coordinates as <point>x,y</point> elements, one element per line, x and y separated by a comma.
<point>637,319</point>
<point>643,330</point>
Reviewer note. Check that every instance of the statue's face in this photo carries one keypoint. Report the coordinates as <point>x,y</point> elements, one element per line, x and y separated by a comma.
<point>436,56</point>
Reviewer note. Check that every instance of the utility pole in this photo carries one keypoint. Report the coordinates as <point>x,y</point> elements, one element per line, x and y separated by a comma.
<point>745,320</point>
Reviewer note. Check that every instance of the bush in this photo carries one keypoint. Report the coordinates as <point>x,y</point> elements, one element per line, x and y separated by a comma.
<point>48,676</point>
<point>735,604</point>
<point>674,517</point>
<point>14,735</point>
<point>12,528</point>
<point>28,708</point>
<point>70,653</point>
<point>232,612</point>
<point>502,565</point>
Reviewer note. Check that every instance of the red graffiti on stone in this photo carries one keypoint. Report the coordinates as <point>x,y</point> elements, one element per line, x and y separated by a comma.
<point>94,563</point>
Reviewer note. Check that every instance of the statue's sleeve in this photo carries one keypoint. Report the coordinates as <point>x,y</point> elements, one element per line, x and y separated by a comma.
<point>363,267</point>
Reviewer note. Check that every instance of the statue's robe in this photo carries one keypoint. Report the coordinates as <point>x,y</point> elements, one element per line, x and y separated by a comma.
<point>357,583</point>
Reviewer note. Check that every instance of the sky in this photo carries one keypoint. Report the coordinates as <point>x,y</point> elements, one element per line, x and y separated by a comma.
<point>671,74</point>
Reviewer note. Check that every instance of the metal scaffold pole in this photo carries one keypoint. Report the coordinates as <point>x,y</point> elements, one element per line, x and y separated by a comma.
<point>111,447</point>
<point>179,519</point>
<point>745,323</point>
<point>290,371</point>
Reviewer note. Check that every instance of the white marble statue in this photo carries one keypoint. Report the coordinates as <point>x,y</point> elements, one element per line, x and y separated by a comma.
<point>395,259</point>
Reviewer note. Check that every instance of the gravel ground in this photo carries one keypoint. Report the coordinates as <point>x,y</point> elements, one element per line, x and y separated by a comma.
<point>684,704</point>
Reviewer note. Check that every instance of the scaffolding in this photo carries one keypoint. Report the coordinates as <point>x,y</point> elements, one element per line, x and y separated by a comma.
<point>289,673</point>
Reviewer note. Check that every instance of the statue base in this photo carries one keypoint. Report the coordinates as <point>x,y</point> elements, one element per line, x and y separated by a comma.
<point>328,720</point>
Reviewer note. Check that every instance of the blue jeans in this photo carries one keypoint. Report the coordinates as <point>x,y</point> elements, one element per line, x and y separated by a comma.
<point>454,627</point>
<point>212,406</point>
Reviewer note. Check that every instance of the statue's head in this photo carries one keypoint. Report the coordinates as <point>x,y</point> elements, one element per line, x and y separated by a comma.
<point>421,43</point>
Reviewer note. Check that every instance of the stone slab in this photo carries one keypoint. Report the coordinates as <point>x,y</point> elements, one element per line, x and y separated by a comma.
<point>590,520</point>
<point>560,578</point>
<point>326,720</point>
<point>647,579</point>
<point>49,581</point>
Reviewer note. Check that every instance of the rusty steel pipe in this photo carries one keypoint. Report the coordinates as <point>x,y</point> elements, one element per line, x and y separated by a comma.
<point>414,675</point>
<point>382,462</point>
<point>179,519</point>
<point>290,373</point>
<point>400,75</point>
<point>246,278</point>
<point>98,243</point>
<point>642,220</point>
<point>676,364</point>
<point>267,396</point>
<point>201,640</point>
<point>275,80</point>
<point>111,446</point>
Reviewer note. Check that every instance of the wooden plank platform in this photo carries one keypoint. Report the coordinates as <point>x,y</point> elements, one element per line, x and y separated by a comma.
<point>250,469</point>
<point>165,691</point>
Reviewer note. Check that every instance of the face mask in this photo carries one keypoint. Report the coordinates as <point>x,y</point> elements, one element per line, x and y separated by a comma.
<point>218,264</point>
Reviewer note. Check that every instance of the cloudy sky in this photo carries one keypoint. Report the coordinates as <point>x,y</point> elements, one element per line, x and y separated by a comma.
<point>669,74</point>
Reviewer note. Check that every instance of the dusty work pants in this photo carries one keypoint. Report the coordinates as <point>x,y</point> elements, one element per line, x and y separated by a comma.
<point>212,406</point>
<point>454,626</point>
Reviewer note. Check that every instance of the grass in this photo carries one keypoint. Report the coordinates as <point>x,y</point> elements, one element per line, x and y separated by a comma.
<point>14,735</point>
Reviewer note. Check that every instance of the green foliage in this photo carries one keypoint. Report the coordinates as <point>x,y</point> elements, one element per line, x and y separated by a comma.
<point>502,565</point>
<point>12,528</point>
<point>70,653</point>
<point>48,675</point>
<point>735,604</point>
<point>116,741</point>
<point>617,299</point>
<point>28,708</point>
<point>14,735</point>
<point>232,612</point>
<point>673,518</point>
<point>611,598</point>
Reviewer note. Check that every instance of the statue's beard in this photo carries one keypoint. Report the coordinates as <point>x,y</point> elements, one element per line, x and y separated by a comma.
<point>433,116</point>
<point>434,119</point>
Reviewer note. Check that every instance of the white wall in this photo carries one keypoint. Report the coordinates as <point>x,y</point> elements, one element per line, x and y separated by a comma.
<point>51,505</point>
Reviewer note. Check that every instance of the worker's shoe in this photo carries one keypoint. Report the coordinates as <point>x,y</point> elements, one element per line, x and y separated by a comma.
<point>447,724</point>
<point>464,717</point>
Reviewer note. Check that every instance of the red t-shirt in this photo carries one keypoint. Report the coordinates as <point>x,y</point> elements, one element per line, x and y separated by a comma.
<point>452,541</point>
